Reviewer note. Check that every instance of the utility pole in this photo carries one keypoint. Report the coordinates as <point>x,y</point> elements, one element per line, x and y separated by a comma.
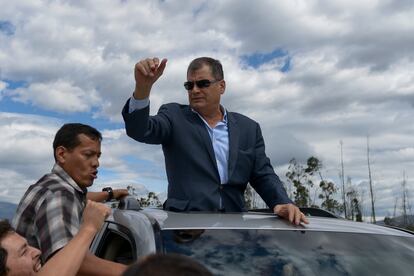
<point>370,185</point>
<point>395,207</point>
<point>404,200</point>
<point>343,180</point>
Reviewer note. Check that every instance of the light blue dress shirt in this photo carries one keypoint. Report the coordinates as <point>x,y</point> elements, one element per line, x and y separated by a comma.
<point>219,136</point>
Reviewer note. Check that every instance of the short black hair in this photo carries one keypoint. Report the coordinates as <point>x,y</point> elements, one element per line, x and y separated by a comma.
<point>167,264</point>
<point>5,229</point>
<point>214,64</point>
<point>67,136</point>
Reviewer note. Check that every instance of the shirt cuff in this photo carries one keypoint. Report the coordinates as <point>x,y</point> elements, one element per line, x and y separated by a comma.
<point>135,104</point>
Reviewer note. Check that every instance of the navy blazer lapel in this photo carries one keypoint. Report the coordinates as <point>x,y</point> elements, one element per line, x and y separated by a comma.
<point>234,134</point>
<point>196,121</point>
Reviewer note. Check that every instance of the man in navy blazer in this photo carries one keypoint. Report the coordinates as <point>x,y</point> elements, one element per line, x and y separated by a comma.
<point>210,153</point>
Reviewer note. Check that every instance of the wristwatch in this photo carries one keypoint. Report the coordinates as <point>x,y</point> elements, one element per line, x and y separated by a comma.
<point>110,193</point>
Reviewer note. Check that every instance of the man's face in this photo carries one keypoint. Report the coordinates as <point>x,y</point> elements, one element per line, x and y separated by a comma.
<point>81,163</point>
<point>208,98</point>
<point>22,259</point>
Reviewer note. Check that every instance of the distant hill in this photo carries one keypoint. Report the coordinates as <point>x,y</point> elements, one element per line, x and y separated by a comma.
<point>7,210</point>
<point>399,221</point>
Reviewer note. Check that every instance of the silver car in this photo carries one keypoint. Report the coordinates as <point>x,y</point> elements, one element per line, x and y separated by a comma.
<point>255,243</point>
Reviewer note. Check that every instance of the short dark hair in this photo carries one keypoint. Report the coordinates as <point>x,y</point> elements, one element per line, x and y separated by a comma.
<point>167,264</point>
<point>67,135</point>
<point>214,64</point>
<point>5,229</point>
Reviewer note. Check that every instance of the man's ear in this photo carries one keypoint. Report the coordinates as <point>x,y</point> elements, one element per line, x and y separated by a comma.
<point>60,154</point>
<point>222,86</point>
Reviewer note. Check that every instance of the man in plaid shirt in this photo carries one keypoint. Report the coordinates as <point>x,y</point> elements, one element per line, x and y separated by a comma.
<point>49,214</point>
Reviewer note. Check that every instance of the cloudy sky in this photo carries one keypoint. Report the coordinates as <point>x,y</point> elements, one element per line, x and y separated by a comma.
<point>311,72</point>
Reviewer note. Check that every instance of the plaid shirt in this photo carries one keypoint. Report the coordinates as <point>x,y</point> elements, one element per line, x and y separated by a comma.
<point>50,212</point>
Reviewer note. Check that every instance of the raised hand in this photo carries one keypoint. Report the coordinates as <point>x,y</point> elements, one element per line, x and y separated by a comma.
<point>94,215</point>
<point>147,72</point>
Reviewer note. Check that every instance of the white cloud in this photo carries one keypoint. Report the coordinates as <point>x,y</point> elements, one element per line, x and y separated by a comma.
<point>26,152</point>
<point>13,185</point>
<point>3,85</point>
<point>59,96</point>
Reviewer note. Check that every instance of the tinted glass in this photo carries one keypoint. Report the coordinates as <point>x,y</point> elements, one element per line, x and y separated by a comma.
<point>270,252</point>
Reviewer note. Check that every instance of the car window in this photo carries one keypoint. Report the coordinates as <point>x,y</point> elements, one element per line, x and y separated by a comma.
<point>116,245</point>
<point>271,252</point>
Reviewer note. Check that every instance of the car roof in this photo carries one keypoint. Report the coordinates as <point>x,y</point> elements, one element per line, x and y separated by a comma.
<point>168,220</point>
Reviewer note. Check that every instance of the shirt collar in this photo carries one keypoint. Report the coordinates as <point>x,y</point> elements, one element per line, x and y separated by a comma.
<point>223,110</point>
<point>225,114</point>
<point>66,177</point>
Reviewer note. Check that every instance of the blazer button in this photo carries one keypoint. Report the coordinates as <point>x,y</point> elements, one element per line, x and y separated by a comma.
<point>221,187</point>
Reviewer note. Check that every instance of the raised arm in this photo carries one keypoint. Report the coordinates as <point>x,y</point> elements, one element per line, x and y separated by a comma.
<point>139,125</point>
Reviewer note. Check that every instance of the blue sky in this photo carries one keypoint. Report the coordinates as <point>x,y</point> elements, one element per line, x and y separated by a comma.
<point>311,72</point>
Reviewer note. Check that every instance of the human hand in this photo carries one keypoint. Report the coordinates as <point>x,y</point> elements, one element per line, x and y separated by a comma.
<point>94,215</point>
<point>147,72</point>
<point>120,193</point>
<point>290,212</point>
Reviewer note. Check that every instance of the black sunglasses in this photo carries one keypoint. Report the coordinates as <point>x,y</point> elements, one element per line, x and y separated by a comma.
<point>189,85</point>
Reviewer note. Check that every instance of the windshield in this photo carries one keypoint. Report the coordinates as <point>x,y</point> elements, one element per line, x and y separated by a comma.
<point>271,252</point>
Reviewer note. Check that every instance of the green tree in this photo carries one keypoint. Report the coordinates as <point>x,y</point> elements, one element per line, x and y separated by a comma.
<point>327,192</point>
<point>131,190</point>
<point>248,197</point>
<point>301,179</point>
<point>387,220</point>
<point>151,200</point>
<point>327,188</point>
<point>313,166</point>
<point>355,206</point>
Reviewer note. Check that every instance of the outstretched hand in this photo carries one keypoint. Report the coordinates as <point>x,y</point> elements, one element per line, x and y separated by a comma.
<point>147,72</point>
<point>290,212</point>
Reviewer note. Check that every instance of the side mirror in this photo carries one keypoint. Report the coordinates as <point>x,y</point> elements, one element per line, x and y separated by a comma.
<point>129,203</point>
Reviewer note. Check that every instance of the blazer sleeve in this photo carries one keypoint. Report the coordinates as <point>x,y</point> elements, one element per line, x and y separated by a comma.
<point>142,127</point>
<point>263,179</point>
